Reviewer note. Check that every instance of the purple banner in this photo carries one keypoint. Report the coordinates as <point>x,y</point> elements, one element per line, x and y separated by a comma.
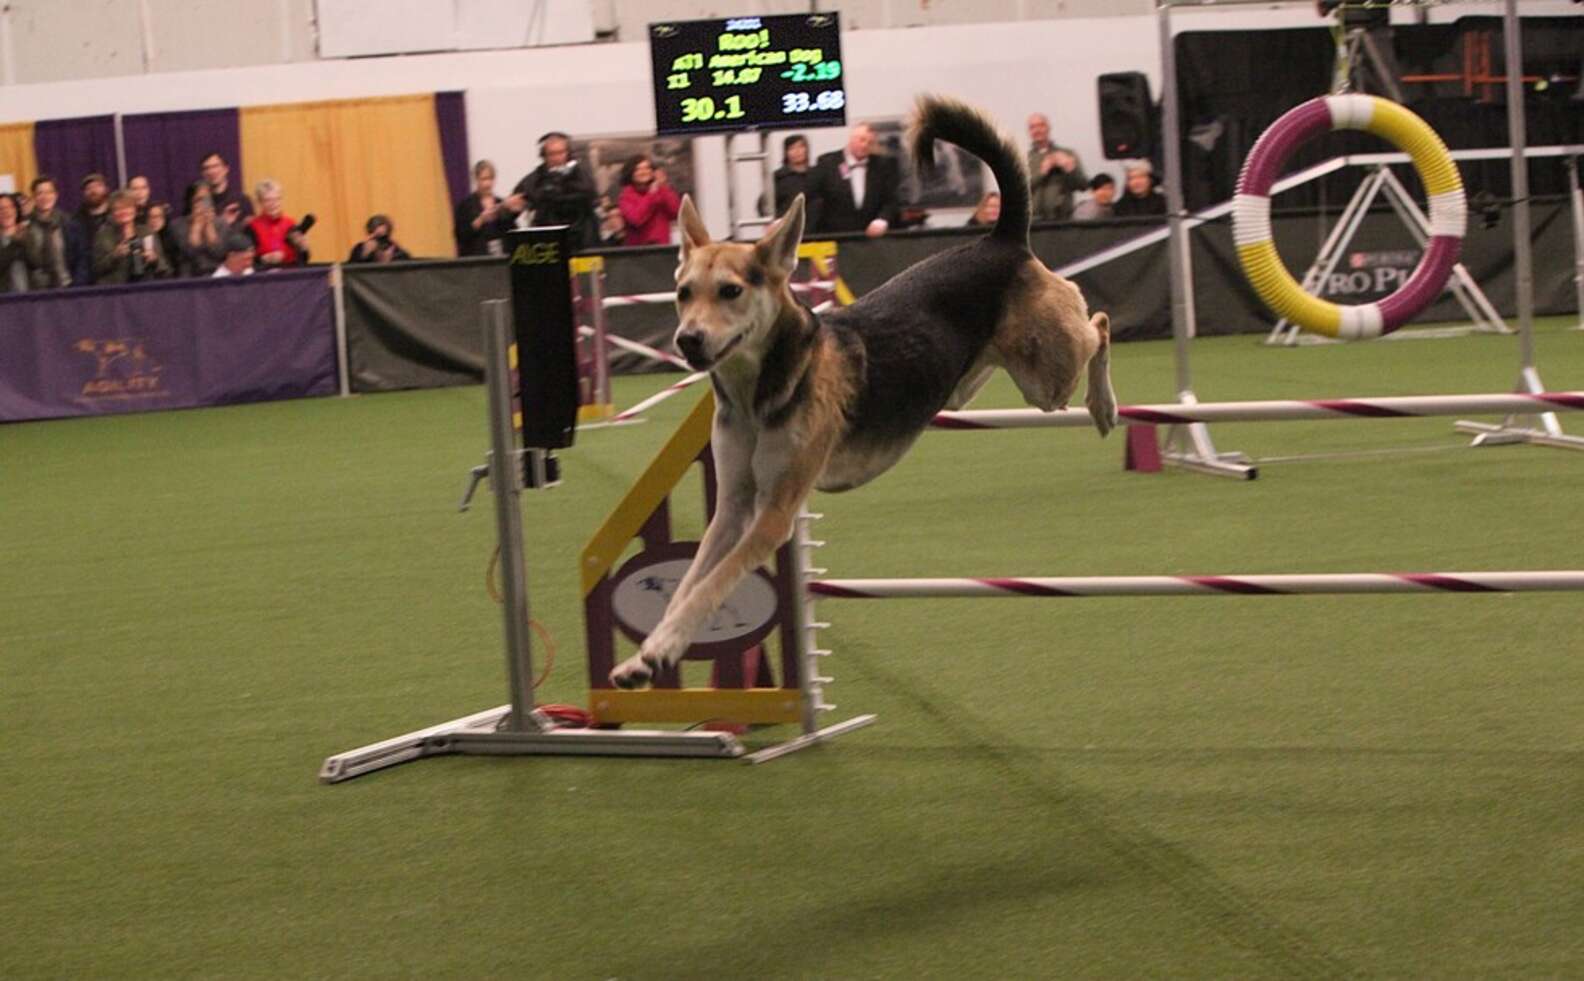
<point>166,345</point>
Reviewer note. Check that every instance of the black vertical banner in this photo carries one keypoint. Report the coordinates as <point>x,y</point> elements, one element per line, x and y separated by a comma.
<point>542,319</point>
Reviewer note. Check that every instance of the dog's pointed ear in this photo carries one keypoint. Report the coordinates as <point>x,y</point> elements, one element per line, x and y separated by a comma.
<point>779,247</point>
<point>694,234</point>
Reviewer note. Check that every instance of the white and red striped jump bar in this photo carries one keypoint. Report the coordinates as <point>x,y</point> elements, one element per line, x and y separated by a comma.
<point>638,299</point>
<point>1176,413</point>
<point>1272,585</point>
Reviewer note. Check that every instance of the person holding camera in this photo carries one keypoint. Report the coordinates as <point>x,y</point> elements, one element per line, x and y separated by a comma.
<point>481,219</point>
<point>124,251</point>
<point>559,191</point>
<point>379,246</point>
<point>280,239</point>
<point>1055,175</point>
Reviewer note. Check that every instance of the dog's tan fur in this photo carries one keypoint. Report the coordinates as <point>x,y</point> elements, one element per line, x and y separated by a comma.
<point>732,301</point>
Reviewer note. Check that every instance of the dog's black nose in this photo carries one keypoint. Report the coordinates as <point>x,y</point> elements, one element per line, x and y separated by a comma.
<point>691,344</point>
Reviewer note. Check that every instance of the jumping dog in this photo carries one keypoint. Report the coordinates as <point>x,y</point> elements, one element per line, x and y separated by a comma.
<point>805,401</point>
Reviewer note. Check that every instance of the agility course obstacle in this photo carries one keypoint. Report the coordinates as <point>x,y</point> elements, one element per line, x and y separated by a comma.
<point>628,597</point>
<point>520,444</point>
<point>1190,445</point>
<point>1318,584</point>
<point>545,375</point>
<point>1273,410</point>
<point>1252,228</point>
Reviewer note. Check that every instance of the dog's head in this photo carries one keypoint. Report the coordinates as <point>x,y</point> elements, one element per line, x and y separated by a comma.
<point>729,294</point>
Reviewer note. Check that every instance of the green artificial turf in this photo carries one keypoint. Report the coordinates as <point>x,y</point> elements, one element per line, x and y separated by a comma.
<point>196,608</point>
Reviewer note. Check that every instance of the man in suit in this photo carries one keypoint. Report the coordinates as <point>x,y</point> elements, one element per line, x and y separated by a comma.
<point>853,189</point>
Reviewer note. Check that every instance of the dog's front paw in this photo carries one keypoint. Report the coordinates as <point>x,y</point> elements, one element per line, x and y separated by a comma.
<point>661,649</point>
<point>635,672</point>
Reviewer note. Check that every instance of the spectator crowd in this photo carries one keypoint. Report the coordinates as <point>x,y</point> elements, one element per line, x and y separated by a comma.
<point>123,236</point>
<point>856,189</point>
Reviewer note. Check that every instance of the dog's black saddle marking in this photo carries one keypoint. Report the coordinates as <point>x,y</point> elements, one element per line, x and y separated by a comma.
<point>920,333</point>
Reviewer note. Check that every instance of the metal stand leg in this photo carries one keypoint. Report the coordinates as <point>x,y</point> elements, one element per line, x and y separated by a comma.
<point>516,729</point>
<point>1286,333</point>
<point>1577,197</point>
<point>1188,446</point>
<point>810,679</point>
<point>1475,303</point>
<point>1543,428</point>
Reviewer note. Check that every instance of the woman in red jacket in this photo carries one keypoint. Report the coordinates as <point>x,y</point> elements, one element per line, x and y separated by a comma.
<point>648,203</point>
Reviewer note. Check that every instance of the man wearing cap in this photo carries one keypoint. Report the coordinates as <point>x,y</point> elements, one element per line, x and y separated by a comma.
<point>92,215</point>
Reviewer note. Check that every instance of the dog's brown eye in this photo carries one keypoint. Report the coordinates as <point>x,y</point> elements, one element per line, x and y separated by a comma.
<point>685,294</point>
<point>730,291</point>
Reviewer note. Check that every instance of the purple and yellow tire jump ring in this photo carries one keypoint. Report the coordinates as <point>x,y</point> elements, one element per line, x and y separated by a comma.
<point>1251,227</point>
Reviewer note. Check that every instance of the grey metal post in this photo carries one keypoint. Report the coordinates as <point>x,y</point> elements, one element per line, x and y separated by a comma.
<point>120,146</point>
<point>1177,243</point>
<point>1523,266</point>
<point>731,183</point>
<point>1576,195</point>
<point>343,356</point>
<point>506,482</point>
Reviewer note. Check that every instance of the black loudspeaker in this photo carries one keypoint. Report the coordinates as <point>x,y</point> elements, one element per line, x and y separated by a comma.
<point>542,320</point>
<point>1126,116</point>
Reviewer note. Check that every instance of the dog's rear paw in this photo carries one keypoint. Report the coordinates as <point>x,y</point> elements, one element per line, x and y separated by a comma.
<point>635,672</point>
<point>1104,413</point>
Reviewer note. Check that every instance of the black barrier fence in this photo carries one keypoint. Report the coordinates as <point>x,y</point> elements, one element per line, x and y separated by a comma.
<point>415,325</point>
<point>1229,95</point>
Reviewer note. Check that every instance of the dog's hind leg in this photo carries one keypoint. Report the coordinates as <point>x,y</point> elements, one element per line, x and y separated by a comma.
<point>1046,338</point>
<point>1100,397</point>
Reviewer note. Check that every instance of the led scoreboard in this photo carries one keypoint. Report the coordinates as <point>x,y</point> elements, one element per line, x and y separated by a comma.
<point>743,73</point>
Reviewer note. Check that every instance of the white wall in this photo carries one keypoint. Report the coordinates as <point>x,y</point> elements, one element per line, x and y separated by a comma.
<point>1011,69</point>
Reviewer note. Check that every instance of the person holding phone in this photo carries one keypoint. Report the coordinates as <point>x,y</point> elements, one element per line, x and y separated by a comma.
<point>124,251</point>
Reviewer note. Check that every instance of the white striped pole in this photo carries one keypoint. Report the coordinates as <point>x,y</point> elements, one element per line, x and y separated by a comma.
<point>652,353</point>
<point>658,397</point>
<point>1239,585</point>
<point>639,299</point>
<point>1175,413</point>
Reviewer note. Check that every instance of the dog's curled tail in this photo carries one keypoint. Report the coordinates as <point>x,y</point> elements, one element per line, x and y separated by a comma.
<point>938,117</point>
